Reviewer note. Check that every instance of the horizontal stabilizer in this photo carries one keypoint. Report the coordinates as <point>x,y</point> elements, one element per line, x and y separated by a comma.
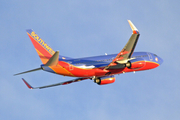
<point>29,71</point>
<point>52,61</point>
<point>52,85</point>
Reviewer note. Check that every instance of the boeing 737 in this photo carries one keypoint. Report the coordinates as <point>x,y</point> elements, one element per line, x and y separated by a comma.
<point>101,69</point>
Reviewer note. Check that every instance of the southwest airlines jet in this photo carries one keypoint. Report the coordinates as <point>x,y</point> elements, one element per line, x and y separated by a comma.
<point>100,69</point>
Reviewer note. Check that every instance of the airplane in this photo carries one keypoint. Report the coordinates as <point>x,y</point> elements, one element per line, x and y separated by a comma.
<point>101,69</point>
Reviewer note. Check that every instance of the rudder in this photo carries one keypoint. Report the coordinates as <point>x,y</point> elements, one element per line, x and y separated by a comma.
<point>44,51</point>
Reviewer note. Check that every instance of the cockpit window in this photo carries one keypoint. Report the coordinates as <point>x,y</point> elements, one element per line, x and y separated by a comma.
<point>155,55</point>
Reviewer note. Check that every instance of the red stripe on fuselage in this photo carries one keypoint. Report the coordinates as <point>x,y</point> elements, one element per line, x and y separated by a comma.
<point>80,72</point>
<point>70,70</point>
<point>149,65</point>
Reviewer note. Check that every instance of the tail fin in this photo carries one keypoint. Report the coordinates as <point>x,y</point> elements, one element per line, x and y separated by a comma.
<point>44,51</point>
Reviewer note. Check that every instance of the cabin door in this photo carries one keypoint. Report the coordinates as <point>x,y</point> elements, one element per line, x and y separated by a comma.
<point>71,67</point>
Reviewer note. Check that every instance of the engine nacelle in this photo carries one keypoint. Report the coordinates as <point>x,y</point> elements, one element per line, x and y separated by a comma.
<point>105,80</point>
<point>136,63</point>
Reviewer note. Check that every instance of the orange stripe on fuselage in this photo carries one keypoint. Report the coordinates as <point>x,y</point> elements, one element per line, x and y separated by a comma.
<point>61,70</point>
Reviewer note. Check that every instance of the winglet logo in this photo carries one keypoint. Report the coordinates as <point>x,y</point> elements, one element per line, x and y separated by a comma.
<point>43,44</point>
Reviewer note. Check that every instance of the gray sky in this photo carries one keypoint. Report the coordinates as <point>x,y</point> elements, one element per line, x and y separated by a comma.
<point>80,28</point>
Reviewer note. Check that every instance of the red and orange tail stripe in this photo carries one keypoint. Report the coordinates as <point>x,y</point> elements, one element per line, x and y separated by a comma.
<point>44,51</point>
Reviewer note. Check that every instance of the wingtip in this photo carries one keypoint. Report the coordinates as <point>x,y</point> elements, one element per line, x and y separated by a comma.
<point>27,84</point>
<point>133,27</point>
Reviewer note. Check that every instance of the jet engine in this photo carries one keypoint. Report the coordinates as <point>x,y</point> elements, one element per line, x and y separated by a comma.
<point>105,80</point>
<point>136,63</point>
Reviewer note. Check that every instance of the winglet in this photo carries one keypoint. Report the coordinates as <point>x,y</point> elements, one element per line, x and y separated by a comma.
<point>28,85</point>
<point>134,29</point>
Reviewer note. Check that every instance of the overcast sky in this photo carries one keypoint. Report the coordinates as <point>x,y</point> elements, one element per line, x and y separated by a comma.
<point>81,28</point>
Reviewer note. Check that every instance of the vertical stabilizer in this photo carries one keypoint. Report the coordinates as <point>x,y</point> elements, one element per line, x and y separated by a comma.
<point>44,51</point>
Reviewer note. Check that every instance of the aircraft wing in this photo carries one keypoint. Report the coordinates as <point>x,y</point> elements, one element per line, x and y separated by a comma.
<point>52,85</point>
<point>123,57</point>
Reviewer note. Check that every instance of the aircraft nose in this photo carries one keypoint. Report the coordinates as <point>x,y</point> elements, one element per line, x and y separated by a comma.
<point>159,60</point>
